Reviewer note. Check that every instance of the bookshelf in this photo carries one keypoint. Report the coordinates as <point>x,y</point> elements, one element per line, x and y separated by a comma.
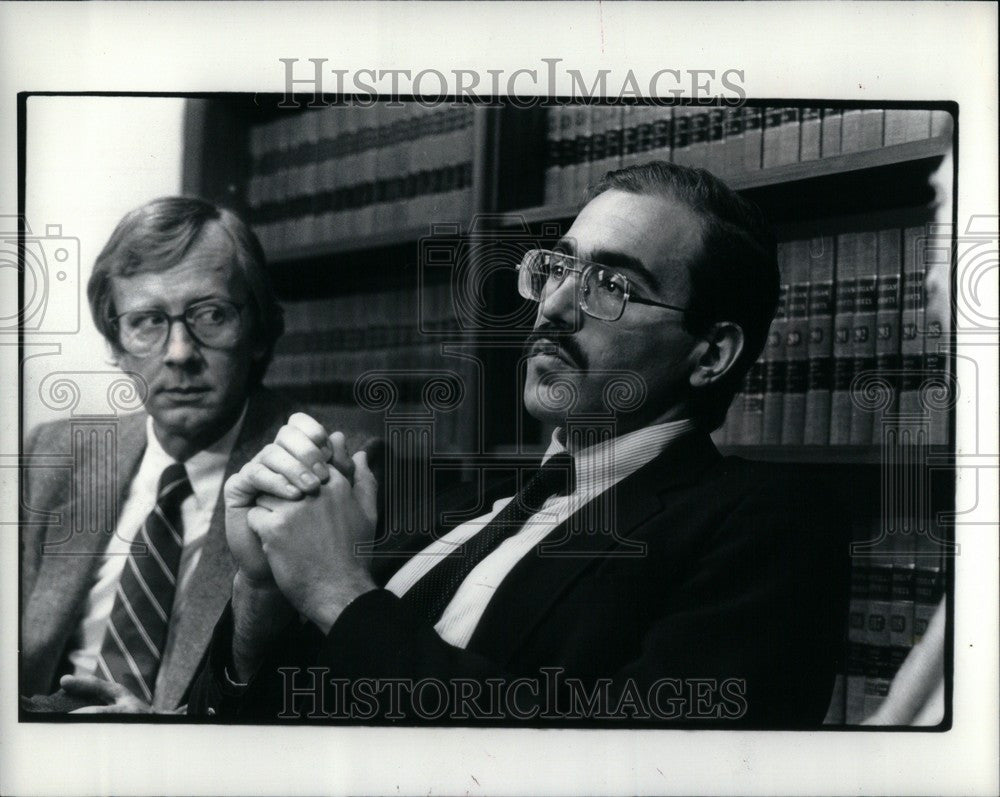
<point>346,202</point>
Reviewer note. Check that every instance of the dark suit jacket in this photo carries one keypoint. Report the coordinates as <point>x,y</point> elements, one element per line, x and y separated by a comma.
<point>742,580</point>
<point>55,582</point>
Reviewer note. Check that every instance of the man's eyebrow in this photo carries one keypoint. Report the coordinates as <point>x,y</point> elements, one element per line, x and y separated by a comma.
<point>211,297</point>
<point>565,246</point>
<point>612,258</point>
<point>158,305</point>
<point>623,262</point>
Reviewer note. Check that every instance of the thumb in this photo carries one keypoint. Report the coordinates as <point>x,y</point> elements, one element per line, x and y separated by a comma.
<point>89,687</point>
<point>239,492</point>
<point>365,485</point>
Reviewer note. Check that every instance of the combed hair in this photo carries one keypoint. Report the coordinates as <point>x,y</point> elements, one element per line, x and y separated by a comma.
<point>736,276</point>
<point>157,236</point>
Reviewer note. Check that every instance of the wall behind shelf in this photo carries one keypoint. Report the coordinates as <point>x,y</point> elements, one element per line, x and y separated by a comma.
<point>89,161</point>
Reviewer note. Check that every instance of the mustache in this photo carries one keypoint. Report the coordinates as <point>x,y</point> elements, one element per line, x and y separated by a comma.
<point>561,342</point>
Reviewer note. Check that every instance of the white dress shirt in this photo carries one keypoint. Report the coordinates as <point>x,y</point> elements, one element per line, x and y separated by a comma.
<point>206,471</point>
<point>598,468</point>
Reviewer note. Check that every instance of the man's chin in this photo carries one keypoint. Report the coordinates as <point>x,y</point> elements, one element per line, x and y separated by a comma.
<point>189,421</point>
<point>550,394</point>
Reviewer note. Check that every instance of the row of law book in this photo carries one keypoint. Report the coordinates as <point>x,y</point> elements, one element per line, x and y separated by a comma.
<point>342,172</point>
<point>895,590</point>
<point>858,342</point>
<point>329,343</point>
<point>584,142</point>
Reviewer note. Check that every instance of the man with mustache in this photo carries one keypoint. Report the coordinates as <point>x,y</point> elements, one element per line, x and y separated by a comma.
<point>636,576</point>
<point>120,619</point>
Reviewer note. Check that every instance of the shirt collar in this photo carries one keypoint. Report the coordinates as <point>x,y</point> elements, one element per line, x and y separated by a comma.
<point>201,466</point>
<point>609,461</point>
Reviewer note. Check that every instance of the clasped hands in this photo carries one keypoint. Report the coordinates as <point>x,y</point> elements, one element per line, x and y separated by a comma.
<point>295,516</point>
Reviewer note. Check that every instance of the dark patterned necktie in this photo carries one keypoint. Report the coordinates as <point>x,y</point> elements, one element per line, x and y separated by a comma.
<point>435,589</point>
<point>137,629</point>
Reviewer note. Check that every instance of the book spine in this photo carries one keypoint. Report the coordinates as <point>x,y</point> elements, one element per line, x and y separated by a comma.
<point>732,428</point>
<point>715,155</point>
<point>630,135</point>
<point>699,136</point>
<point>918,125</point>
<point>863,335</point>
<point>831,131</point>
<point>733,161</point>
<point>326,155</point>
<point>928,584</point>
<point>941,124</point>
<point>437,182</point>
<point>368,151</point>
<point>774,355</point>
<point>567,175</point>
<point>937,330</point>
<point>682,136</point>
<point>408,163</point>
<point>644,133</point>
<point>282,187</point>
<point>857,639</point>
<point>753,122</point>
<point>872,125</point>
<point>553,155</point>
<point>465,198</point>
<point>347,208</point>
<point>383,121</point>
<point>887,323</point>
<point>291,205</point>
<point>903,594</point>
<point>613,161</point>
<point>314,173</point>
<point>793,413</point>
<point>599,142</point>
<point>850,134</point>
<point>896,120</point>
<point>820,347</point>
<point>417,212</point>
<point>789,136</point>
<point>911,342</point>
<point>752,414</point>
<point>663,126</point>
<point>773,120</point>
<point>810,146</point>
<point>584,151</point>
<point>843,350</point>
<point>878,658</point>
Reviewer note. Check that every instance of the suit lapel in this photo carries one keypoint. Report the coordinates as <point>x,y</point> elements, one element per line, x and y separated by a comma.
<point>211,583</point>
<point>536,583</point>
<point>69,560</point>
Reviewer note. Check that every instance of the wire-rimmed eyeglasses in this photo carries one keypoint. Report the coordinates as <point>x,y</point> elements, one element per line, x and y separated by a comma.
<point>603,292</point>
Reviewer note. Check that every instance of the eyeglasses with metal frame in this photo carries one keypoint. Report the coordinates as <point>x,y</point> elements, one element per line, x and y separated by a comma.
<point>603,292</point>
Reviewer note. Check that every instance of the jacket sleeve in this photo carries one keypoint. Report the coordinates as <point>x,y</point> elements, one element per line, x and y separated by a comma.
<point>750,636</point>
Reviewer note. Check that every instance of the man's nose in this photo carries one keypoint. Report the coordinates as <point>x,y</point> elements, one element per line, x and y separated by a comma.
<point>560,304</point>
<point>180,347</point>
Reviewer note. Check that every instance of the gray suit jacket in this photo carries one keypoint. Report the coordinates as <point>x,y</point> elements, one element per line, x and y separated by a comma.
<point>62,545</point>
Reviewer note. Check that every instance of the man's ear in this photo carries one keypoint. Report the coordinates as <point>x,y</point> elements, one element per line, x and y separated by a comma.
<point>718,353</point>
<point>113,355</point>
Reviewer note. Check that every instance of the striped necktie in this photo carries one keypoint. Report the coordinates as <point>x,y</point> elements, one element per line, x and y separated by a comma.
<point>435,589</point>
<point>137,629</point>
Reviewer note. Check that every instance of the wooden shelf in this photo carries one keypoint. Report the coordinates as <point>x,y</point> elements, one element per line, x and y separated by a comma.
<point>819,455</point>
<point>843,164</point>
<point>775,176</point>
<point>381,240</point>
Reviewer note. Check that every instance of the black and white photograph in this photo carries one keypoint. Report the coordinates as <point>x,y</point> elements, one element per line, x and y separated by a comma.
<point>621,414</point>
